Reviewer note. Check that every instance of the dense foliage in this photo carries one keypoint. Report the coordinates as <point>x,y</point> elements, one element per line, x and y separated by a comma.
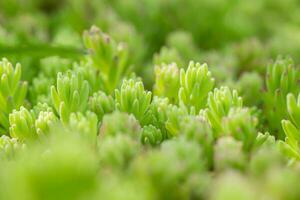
<point>149,99</point>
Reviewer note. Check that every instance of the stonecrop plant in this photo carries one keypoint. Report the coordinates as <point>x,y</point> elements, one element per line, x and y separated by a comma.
<point>12,92</point>
<point>291,129</point>
<point>107,56</point>
<point>70,94</point>
<point>183,100</point>
<point>195,84</point>
<point>133,98</point>
<point>282,77</point>
<point>167,81</point>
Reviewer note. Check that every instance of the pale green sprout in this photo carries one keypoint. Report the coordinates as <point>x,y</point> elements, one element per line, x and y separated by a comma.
<point>41,107</point>
<point>109,57</point>
<point>282,78</point>
<point>175,115</point>
<point>133,98</point>
<point>167,81</point>
<point>291,146</point>
<point>44,122</point>
<point>195,84</point>
<point>70,94</point>
<point>90,74</point>
<point>219,104</point>
<point>281,75</point>
<point>39,89</point>
<point>157,113</point>
<point>12,91</point>
<point>293,108</point>
<point>9,147</point>
<point>151,135</point>
<point>241,125</point>
<point>155,120</point>
<point>101,103</point>
<point>28,125</point>
<point>22,124</point>
<point>265,139</point>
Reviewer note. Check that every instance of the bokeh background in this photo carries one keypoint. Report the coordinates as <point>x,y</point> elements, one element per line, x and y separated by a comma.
<point>232,35</point>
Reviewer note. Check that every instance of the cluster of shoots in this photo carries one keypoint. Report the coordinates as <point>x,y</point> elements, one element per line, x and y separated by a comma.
<point>103,133</point>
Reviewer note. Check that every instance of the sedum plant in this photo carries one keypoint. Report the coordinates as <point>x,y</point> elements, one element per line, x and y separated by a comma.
<point>12,91</point>
<point>41,107</point>
<point>90,74</point>
<point>151,135</point>
<point>167,81</point>
<point>241,125</point>
<point>220,101</point>
<point>45,121</point>
<point>100,104</point>
<point>133,98</point>
<point>293,109</point>
<point>70,94</point>
<point>157,113</point>
<point>107,56</point>
<point>282,78</point>
<point>175,115</point>
<point>9,147</point>
<point>22,124</point>
<point>265,139</point>
<point>39,89</point>
<point>290,146</point>
<point>195,84</point>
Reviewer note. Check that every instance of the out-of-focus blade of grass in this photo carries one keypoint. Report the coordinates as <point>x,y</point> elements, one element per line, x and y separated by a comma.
<point>40,50</point>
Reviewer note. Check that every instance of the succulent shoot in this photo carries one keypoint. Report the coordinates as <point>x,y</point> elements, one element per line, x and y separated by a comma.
<point>133,98</point>
<point>12,92</point>
<point>70,94</point>
<point>220,101</point>
<point>108,56</point>
<point>195,84</point>
<point>282,78</point>
<point>167,81</point>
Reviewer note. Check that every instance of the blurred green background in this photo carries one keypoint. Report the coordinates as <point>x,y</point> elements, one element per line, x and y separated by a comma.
<point>247,33</point>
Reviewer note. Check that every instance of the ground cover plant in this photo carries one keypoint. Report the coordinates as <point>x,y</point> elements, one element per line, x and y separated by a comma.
<point>149,99</point>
